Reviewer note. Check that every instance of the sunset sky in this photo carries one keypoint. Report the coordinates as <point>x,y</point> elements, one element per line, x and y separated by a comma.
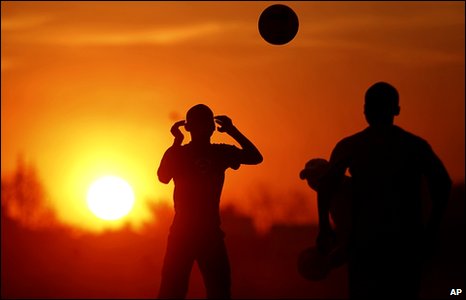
<point>92,88</point>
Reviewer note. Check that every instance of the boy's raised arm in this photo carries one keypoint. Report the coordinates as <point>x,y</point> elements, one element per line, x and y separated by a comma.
<point>250,154</point>
<point>164,172</point>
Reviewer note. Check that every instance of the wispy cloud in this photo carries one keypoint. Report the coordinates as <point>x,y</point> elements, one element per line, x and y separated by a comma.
<point>149,36</point>
<point>75,36</point>
<point>14,23</point>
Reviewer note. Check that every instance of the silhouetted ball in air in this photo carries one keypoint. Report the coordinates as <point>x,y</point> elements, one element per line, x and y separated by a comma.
<point>278,24</point>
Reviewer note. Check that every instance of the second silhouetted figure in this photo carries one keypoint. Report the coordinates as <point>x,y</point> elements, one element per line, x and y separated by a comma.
<point>388,166</point>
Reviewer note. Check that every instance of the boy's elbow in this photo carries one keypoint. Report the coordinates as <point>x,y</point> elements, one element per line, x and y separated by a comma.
<point>256,159</point>
<point>164,180</point>
<point>251,158</point>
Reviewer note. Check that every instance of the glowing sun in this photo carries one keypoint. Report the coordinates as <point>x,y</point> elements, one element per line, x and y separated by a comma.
<point>110,198</point>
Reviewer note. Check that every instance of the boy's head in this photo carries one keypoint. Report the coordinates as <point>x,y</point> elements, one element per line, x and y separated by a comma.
<point>200,121</point>
<point>313,172</point>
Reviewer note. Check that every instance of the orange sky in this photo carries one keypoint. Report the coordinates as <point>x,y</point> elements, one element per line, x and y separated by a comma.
<point>90,89</point>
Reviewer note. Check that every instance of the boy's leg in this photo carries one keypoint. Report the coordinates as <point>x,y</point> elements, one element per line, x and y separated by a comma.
<point>177,265</point>
<point>215,269</point>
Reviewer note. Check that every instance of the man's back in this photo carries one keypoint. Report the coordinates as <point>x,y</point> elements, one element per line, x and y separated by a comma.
<point>386,169</point>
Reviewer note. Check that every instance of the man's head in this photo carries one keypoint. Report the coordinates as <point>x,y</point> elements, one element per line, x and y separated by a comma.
<point>381,104</point>
<point>313,172</point>
<point>200,121</point>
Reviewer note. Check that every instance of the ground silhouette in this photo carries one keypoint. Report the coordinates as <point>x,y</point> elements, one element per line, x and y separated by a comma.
<point>54,263</point>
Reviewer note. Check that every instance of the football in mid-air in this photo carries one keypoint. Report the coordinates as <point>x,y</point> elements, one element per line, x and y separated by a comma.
<point>278,24</point>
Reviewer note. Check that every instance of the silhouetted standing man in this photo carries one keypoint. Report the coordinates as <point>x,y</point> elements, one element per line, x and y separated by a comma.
<point>387,166</point>
<point>198,171</point>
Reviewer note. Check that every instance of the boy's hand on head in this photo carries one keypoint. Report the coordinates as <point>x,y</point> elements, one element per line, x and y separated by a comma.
<point>226,125</point>
<point>175,130</point>
<point>249,153</point>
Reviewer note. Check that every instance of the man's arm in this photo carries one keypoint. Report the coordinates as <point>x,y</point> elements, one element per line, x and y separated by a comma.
<point>250,155</point>
<point>439,185</point>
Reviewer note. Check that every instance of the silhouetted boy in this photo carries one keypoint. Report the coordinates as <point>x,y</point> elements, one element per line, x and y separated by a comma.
<point>198,171</point>
<point>387,166</point>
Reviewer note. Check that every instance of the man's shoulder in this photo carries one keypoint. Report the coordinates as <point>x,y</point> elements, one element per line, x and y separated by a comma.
<point>411,138</point>
<point>367,134</point>
<point>352,139</point>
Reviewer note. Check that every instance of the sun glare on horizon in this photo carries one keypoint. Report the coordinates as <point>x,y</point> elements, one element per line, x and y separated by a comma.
<point>110,198</point>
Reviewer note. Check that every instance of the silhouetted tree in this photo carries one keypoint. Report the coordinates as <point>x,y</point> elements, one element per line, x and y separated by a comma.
<point>24,198</point>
